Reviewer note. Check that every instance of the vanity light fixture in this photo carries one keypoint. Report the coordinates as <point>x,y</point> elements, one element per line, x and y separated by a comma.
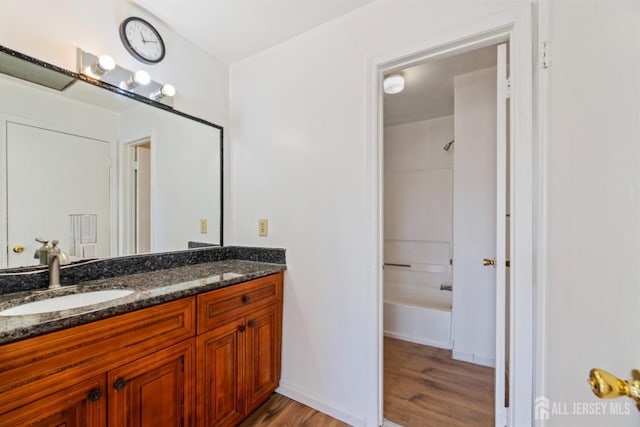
<point>102,66</point>
<point>393,83</point>
<point>165,90</point>
<point>138,78</point>
<point>105,69</point>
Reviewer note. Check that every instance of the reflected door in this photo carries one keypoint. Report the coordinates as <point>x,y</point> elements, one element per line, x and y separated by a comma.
<point>143,198</point>
<point>51,175</point>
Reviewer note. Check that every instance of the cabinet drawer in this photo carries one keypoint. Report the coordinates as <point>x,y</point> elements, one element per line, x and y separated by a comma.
<point>35,367</point>
<point>224,304</point>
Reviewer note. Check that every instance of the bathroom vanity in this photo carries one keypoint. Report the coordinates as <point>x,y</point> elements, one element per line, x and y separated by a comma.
<point>191,345</point>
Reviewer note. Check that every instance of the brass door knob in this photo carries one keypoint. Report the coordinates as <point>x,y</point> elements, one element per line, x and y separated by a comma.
<point>488,261</point>
<point>18,249</point>
<point>607,386</point>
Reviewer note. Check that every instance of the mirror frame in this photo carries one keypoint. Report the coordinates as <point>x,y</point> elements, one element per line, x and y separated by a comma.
<point>136,97</point>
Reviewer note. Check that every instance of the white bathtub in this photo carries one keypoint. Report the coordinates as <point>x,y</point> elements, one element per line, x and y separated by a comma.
<point>418,314</point>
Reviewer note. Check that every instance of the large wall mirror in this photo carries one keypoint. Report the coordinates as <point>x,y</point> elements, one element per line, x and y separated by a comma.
<point>105,172</point>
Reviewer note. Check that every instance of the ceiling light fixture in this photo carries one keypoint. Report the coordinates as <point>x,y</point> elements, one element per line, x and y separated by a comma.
<point>141,78</point>
<point>103,65</point>
<point>165,90</point>
<point>393,84</point>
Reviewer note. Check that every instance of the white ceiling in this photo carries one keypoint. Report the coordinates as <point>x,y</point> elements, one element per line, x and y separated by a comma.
<point>235,29</point>
<point>428,89</point>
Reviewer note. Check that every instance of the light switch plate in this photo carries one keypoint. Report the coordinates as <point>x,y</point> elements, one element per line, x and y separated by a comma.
<point>203,226</point>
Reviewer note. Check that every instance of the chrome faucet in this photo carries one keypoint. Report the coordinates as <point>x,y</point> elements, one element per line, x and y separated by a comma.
<point>56,258</point>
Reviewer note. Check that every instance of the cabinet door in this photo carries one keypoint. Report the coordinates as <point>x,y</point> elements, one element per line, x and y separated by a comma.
<point>155,390</point>
<point>264,338</point>
<point>220,362</point>
<point>81,405</point>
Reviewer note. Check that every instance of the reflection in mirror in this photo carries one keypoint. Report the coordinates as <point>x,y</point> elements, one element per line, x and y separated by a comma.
<point>104,173</point>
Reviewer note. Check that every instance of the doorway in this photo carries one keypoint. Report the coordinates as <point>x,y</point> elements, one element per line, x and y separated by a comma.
<point>445,196</point>
<point>139,197</point>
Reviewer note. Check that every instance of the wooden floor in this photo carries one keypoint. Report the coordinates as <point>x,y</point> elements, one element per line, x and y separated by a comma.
<point>424,387</point>
<point>281,411</point>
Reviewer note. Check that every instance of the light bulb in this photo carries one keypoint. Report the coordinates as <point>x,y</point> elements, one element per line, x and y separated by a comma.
<point>166,90</point>
<point>138,78</point>
<point>141,77</point>
<point>103,65</point>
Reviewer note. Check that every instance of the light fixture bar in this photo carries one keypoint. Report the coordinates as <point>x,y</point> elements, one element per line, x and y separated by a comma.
<point>100,68</point>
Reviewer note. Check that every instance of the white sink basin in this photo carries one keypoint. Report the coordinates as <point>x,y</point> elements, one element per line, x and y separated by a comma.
<point>66,302</point>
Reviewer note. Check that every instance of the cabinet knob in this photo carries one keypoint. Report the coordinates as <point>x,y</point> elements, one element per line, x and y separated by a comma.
<point>241,328</point>
<point>246,299</point>
<point>120,384</point>
<point>252,323</point>
<point>94,395</point>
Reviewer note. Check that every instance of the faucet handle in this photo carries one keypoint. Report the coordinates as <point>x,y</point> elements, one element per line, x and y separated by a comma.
<point>41,240</point>
<point>64,258</point>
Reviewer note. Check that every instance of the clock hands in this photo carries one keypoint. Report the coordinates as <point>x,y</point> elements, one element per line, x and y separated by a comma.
<point>145,41</point>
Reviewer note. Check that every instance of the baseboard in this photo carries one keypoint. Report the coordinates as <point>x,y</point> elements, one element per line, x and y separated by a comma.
<point>483,359</point>
<point>387,423</point>
<point>302,397</point>
<point>431,343</point>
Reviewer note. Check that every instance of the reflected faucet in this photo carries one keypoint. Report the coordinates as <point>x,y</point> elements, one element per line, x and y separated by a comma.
<point>56,258</point>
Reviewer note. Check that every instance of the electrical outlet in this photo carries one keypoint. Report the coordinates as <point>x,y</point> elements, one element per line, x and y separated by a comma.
<point>203,226</point>
<point>263,227</point>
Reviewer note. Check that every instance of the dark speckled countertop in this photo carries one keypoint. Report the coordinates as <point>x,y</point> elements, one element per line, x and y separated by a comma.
<point>150,288</point>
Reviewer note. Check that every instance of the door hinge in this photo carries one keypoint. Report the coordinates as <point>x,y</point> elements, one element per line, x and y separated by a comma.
<point>507,87</point>
<point>545,57</point>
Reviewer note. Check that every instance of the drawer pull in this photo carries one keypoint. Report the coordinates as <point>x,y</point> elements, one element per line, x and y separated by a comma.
<point>120,384</point>
<point>252,323</point>
<point>94,395</point>
<point>246,299</point>
<point>241,328</point>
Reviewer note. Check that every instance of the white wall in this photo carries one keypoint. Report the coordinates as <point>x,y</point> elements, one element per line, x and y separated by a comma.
<point>185,175</point>
<point>418,206</point>
<point>592,203</point>
<point>51,31</point>
<point>474,216</point>
<point>299,145</point>
<point>418,181</point>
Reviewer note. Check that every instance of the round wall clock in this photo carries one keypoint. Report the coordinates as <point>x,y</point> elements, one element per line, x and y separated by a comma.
<point>142,40</point>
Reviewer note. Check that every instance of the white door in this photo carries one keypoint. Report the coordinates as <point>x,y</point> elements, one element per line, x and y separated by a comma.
<point>143,198</point>
<point>47,182</point>
<point>503,138</point>
<point>479,228</point>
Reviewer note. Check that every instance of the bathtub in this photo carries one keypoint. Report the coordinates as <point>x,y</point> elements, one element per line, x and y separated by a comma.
<point>418,314</point>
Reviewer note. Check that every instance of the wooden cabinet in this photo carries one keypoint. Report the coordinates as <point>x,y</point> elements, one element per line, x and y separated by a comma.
<point>65,378</point>
<point>148,367</point>
<point>81,405</point>
<point>155,390</point>
<point>263,347</point>
<point>220,367</point>
<point>239,360</point>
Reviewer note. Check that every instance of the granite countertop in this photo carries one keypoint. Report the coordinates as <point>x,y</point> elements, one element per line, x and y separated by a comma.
<point>150,288</point>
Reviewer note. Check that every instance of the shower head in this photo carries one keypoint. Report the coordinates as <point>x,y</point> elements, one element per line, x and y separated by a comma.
<point>448,145</point>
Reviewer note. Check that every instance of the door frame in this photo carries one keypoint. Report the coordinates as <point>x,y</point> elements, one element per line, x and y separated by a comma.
<point>127,216</point>
<point>516,26</point>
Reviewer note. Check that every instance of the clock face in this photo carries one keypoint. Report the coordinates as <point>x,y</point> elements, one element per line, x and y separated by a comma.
<point>142,40</point>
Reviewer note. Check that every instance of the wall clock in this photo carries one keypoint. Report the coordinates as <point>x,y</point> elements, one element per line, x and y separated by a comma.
<point>142,40</point>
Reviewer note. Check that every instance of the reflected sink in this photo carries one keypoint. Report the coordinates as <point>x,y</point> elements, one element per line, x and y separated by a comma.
<point>66,302</point>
